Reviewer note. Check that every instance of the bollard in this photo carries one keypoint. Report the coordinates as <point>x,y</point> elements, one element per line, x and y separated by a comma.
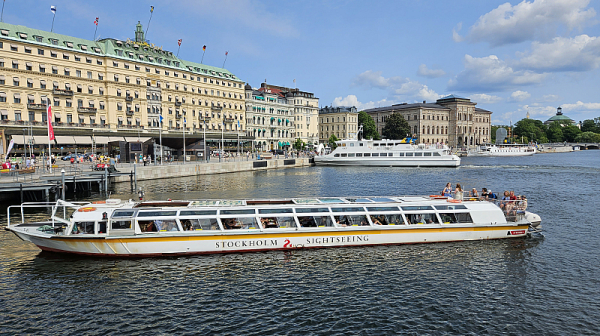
<point>62,172</point>
<point>135,174</point>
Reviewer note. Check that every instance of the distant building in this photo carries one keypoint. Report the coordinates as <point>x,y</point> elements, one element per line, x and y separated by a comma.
<point>269,118</point>
<point>341,121</point>
<point>451,120</point>
<point>559,117</point>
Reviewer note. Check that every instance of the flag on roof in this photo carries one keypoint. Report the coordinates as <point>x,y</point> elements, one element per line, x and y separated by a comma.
<point>204,48</point>
<point>151,9</point>
<point>227,52</point>
<point>96,22</point>
<point>53,9</point>
<point>179,42</point>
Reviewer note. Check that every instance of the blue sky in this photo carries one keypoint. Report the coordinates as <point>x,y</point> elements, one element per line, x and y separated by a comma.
<point>509,57</point>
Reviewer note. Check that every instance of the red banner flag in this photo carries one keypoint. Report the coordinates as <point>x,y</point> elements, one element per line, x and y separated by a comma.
<point>96,22</point>
<point>179,42</point>
<point>50,129</point>
<point>227,52</point>
<point>204,48</point>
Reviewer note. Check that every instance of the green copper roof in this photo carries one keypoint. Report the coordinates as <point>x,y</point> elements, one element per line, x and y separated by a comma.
<point>559,117</point>
<point>128,50</point>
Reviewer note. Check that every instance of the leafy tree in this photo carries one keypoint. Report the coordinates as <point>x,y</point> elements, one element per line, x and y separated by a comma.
<point>369,128</point>
<point>555,133</point>
<point>590,125</point>
<point>299,144</point>
<point>533,130</point>
<point>570,133</point>
<point>396,127</point>
<point>332,140</point>
<point>588,137</point>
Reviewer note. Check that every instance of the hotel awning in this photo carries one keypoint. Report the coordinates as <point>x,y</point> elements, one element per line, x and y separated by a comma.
<point>136,139</point>
<point>83,140</point>
<point>57,114</point>
<point>65,140</point>
<point>113,139</point>
<point>37,139</point>
<point>101,140</point>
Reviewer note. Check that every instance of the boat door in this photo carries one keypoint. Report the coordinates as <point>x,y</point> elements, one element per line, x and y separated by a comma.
<point>121,223</point>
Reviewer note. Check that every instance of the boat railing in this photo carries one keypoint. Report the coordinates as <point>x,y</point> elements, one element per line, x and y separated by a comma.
<point>57,213</point>
<point>514,210</point>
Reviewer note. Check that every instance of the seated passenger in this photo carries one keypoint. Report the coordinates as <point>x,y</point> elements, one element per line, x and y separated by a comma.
<point>474,193</point>
<point>187,225</point>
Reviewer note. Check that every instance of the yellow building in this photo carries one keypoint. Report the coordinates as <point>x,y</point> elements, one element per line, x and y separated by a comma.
<point>339,121</point>
<point>112,87</point>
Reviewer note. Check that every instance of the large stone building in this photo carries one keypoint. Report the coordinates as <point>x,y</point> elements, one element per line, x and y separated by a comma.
<point>340,120</point>
<point>306,112</point>
<point>450,120</point>
<point>113,87</point>
<point>269,118</point>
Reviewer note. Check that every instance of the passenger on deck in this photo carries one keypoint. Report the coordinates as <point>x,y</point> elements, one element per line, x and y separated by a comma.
<point>484,193</point>
<point>447,190</point>
<point>522,204</point>
<point>187,225</point>
<point>458,192</point>
<point>505,204</point>
<point>474,193</point>
<point>512,195</point>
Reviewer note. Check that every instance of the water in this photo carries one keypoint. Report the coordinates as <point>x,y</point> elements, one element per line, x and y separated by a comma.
<point>544,285</point>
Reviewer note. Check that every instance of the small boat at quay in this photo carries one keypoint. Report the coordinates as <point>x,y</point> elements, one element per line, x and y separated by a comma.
<point>387,153</point>
<point>503,150</point>
<point>116,228</point>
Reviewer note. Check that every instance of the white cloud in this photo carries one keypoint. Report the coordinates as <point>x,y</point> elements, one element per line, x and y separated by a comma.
<point>455,35</point>
<point>519,96</point>
<point>550,98</point>
<point>491,74</point>
<point>525,21</point>
<point>581,106</point>
<point>399,87</point>
<point>485,98</point>
<point>352,100</point>
<point>430,73</point>
<point>580,53</point>
<point>539,110</point>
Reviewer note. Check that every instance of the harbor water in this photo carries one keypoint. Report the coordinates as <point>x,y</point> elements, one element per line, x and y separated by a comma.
<point>543,285</point>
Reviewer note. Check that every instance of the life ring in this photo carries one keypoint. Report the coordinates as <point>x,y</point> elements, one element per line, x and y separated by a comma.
<point>87,209</point>
<point>454,201</point>
<point>99,202</point>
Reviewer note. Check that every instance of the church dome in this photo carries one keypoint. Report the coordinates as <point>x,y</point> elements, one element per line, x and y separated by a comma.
<point>559,117</point>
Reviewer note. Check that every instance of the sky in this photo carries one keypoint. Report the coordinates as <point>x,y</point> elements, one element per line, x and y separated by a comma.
<point>508,57</point>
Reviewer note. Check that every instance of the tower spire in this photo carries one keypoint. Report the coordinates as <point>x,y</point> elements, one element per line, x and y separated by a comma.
<point>139,33</point>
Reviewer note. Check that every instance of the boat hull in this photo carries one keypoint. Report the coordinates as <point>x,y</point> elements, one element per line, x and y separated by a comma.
<point>332,161</point>
<point>280,239</point>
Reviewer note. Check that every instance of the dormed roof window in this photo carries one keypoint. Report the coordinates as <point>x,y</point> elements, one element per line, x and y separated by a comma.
<point>53,41</point>
<point>38,38</point>
<point>4,32</point>
<point>69,44</point>
<point>96,49</point>
<point>22,35</point>
<point>119,43</point>
<point>83,47</point>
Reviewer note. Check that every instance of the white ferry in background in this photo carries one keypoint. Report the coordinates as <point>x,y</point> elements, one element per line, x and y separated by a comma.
<point>115,228</point>
<point>388,153</point>
<point>504,150</point>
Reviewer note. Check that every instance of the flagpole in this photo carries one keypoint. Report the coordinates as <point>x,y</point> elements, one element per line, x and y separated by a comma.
<point>203,52</point>
<point>227,52</point>
<point>49,117</point>
<point>183,139</point>
<point>160,138</point>
<point>96,29</point>
<point>148,26</point>
<point>222,146</point>
<point>53,17</point>
<point>204,139</point>
<point>178,49</point>
<point>2,16</point>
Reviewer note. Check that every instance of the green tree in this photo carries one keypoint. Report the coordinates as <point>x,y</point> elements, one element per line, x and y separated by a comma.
<point>299,144</point>
<point>368,124</point>
<point>570,133</point>
<point>332,139</point>
<point>396,127</point>
<point>533,130</point>
<point>588,137</point>
<point>590,125</point>
<point>554,132</point>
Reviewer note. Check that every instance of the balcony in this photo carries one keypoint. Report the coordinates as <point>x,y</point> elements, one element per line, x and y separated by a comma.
<point>36,106</point>
<point>178,116</point>
<point>129,112</point>
<point>216,108</point>
<point>229,120</point>
<point>129,98</point>
<point>177,103</point>
<point>83,109</point>
<point>59,92</point>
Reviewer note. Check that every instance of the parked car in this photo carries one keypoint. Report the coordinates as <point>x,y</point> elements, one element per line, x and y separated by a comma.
<point>68,157</point>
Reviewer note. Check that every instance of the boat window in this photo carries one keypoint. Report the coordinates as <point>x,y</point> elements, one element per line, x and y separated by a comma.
<point>436,154</point>
<point>308,210</point>
<point>358,200</point>
<point>336,155</point>
<point>122,213</point>
<point>427,154</point>
<point>390,154</point>
<point>347,209</point>
<point>361,144</point>
<point>330,200</point>
<point>454,218</point>
<point>102,227</point>
<point>350,154</point>
<point>375,154</point>
<point>375,145</point>
<point>358,154</point>
<point>383,154</point>
<point>418,154</point>
<point>277,222</point>
<point>156,213</point>
<point>147,226</point>
<point>409,154</point>
<point>159,225</point>
<point>238,212</point>
<point>382,199</point>
<point>400,154</point>
<point>198,213</point>
<point>83,228</point>
<point>366,154</point>
<point>427,218</point>
<point>382,208</point>
<point>464,217</point>
<point>315,221</point>
<point>197,224</point>
<point>274,211</point>
<point>351,220</point>
<point>416,207</point>
<point>450,207</point>
<point>122,224</point>
<point>305,200</point>
<point>344,155</point>
<point>351,144</point>
<point>241,223</point>
<point>387,219</point>
<point>203,203</point>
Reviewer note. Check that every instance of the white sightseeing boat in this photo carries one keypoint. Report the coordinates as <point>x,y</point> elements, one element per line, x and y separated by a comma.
<point>116,228</point>
<point>503,150</point>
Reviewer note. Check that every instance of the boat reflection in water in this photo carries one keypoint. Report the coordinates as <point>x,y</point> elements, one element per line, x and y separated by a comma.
<point>157,228</point>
